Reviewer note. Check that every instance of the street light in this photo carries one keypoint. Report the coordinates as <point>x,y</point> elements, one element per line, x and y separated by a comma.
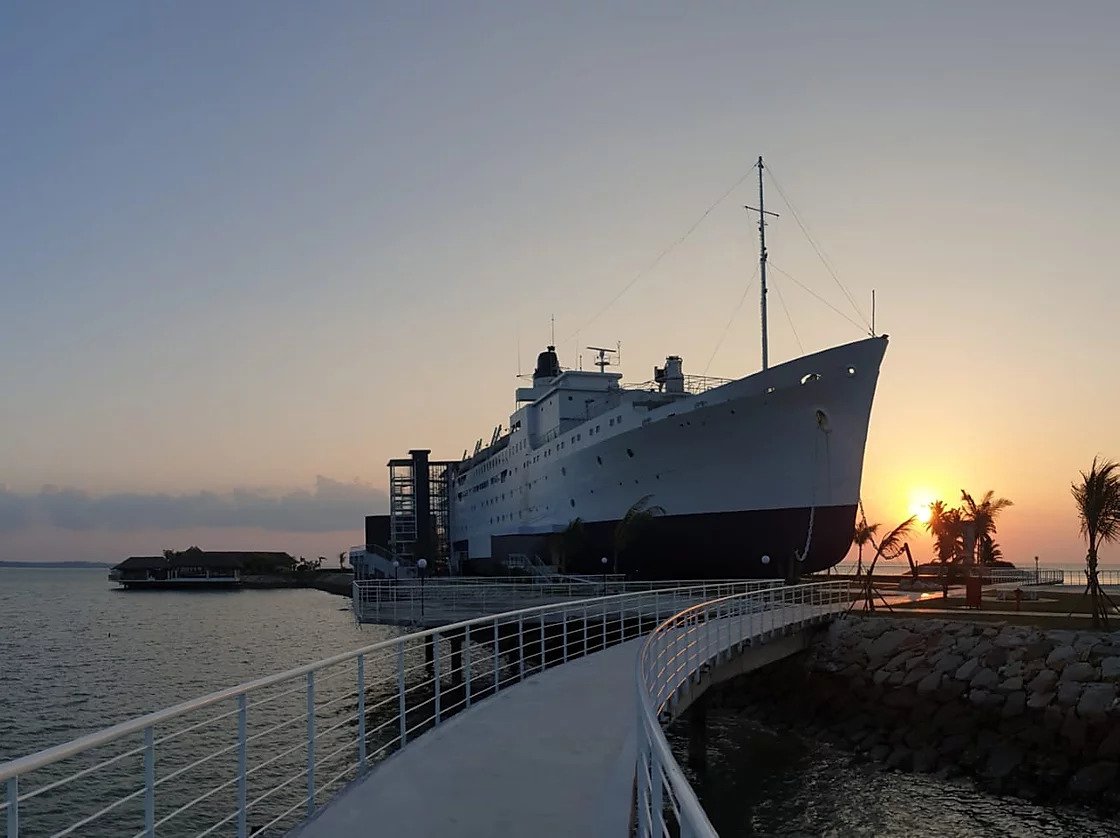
<point>422,565</point>
<point>1037,575</point>
<point>604,562</point>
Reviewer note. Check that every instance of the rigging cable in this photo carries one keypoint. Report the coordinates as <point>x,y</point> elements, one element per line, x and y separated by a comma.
<point>785,308</point>
<point>731,319</point>
<point>810,291</point>
<point>649,268</point>
<point>816,247</point>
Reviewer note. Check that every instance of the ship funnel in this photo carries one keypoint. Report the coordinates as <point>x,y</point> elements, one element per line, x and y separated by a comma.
<point>671,376</point>
<point>548,365</point>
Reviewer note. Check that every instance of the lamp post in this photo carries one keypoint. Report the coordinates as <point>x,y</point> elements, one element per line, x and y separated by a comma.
<point>604,563</point>
<point>1037,575</point>
<point>422,565</point>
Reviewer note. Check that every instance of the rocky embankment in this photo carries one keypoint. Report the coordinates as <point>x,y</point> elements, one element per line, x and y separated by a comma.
<point>1025,711</point>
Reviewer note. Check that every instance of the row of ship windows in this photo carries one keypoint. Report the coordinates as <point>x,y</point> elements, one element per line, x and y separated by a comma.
<point>531,483</point>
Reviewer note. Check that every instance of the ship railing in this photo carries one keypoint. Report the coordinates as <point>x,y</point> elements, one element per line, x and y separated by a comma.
<point>414,601</point>
<point>261,757</point>
<point>676,655</point>
<point>693,384</point>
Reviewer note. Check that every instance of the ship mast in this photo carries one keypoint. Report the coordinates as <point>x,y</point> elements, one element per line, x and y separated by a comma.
<point>762,213</point>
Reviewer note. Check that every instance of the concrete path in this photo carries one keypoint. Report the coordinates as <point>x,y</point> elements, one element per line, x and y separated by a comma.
<point>553,756</point>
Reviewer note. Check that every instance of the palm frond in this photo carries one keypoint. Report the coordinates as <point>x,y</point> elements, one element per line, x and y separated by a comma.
<point>1098,501</point>
<point>891,544</point>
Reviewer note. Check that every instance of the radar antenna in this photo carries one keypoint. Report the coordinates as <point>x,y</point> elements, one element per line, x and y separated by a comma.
<point>605,358</point>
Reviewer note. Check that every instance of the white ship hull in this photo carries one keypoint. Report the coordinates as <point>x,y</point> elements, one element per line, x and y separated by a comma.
<point>751,475</point>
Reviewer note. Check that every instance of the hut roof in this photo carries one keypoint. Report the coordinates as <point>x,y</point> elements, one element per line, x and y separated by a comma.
<point>143,563</point>
<point>208,559</point>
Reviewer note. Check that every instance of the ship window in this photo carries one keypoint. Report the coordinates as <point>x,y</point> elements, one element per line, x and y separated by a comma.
<point>813,376</point>
<point>600,459</point>
<point>851,371</point>
<point>563,471</point>
<point>572,501</point>
<point>629,452</point>
<point>612,421</point>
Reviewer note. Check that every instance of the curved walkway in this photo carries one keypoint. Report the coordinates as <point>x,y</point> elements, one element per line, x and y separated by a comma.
<point>552,756</point>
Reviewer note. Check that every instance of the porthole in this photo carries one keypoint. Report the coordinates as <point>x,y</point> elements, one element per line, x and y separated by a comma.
<point>629,452</point>
<point>851,372</point>
<point>599,460</point>
<point>572,501</point>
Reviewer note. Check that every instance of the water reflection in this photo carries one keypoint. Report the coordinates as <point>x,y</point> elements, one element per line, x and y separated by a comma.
<point>759,782</point>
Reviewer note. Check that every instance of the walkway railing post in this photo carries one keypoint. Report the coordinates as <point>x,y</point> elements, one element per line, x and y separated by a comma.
<point>149,782</point>
<point>361,713</point>
<point>497,659</point>
<point>402,709</point>
<point>435,673</point>
<point>521,647</point>
<point>242,765</point>
<point>310,743</point>
<point>542,641</point>
<point>467,665</point>
<point>564,633</point>
<point>13,807</point>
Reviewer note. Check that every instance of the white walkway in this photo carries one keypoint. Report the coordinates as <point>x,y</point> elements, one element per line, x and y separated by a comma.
<point>553,756</point>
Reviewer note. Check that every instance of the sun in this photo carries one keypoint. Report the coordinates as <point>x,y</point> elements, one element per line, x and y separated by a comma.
<point>920,500</point>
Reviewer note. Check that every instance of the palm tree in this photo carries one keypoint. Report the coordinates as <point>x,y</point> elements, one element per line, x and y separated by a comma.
<point>981,519</point>
<point>636,519</point>
<point>944,525</point>
<point>948,533</point>
<point>1098,506</point>
<point>863,534</point>
<point>889,548</point>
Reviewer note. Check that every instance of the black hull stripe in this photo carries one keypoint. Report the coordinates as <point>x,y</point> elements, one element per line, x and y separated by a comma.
<point>718,545</point>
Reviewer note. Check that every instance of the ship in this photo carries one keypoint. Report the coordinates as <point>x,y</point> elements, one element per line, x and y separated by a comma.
<point>757,476</point>
<point>751,477</point>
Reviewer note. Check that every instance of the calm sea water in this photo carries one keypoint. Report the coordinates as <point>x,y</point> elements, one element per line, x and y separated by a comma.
<point>759,782</point>
<point>76,656</point>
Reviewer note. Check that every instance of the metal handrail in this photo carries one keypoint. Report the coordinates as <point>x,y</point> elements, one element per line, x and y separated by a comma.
<point>280,743</point>
<point>675,654</point>
<point>409,601</point>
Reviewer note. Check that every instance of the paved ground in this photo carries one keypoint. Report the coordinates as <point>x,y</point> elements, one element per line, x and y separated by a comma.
<point>553,756</point>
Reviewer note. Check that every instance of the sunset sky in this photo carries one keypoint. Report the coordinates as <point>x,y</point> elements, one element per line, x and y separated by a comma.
<point>251,251</point>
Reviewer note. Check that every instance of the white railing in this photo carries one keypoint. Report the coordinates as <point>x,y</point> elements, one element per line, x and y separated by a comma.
<point>990,575</point>
<point>677,652</point>
<point>260,757</point>
<point>410,601</point>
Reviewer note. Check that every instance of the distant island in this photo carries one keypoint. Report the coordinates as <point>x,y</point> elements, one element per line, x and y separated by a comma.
<point>69,565</point>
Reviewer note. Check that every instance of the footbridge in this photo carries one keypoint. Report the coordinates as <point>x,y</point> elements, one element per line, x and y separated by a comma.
<point>545,720</point>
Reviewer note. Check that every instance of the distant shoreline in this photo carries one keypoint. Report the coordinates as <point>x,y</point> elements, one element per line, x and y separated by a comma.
<point>58,565</point>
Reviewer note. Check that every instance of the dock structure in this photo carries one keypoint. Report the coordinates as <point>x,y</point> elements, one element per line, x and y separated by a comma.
<point>542,720</point>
